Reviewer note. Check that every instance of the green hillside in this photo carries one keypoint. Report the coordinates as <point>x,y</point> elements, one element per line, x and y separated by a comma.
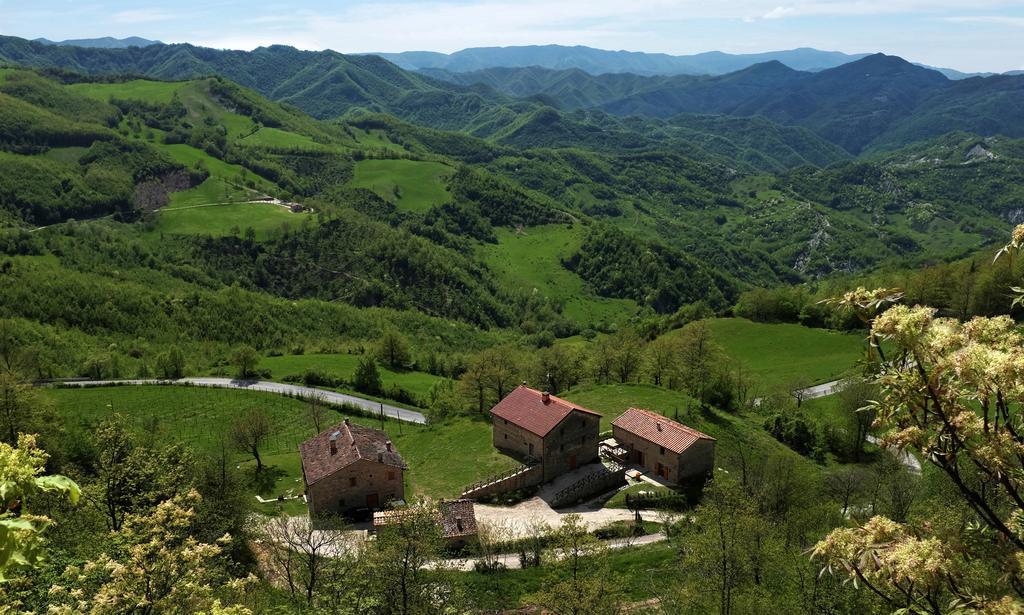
<point>413,185</point>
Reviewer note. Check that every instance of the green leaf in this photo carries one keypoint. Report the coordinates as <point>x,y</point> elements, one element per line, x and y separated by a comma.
<point>60,483</point>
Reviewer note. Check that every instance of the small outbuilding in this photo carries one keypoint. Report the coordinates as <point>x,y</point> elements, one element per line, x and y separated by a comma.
<point>456,518</point>
<point>351,467</point>
<point>669,449</point>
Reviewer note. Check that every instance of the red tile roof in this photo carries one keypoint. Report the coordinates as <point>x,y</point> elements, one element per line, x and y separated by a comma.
<point>528,409</point>
<point>659,429</point>
<point>352,443</point>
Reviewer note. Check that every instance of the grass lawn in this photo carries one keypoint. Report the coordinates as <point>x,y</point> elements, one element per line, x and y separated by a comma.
<point>219,220</point>
<point>780,354</point>
<point>198,416</point>
<point>344,366</point>
<point>138,89</point>
<point>275,137</point>
<point>641,572</point>
<point>413,185</point>
<point>532,261</point>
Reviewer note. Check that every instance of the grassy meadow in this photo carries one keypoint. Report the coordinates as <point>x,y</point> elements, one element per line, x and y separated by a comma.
<point>532,261</point>
<point>413,185</point>
<point>781,354</point>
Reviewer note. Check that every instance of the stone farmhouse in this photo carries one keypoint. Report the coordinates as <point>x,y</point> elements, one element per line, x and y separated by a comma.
<point>538,427</point>
<point>670,450</point>
<point>349,467</point>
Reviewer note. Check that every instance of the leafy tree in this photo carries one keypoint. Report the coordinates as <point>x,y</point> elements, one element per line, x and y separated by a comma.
<point>399,565</point>
<point>558,368</point>
<point>304,554</point>
<point>580,582</point>
<point>154,566</point>
<point>628,354</point>
<point>317,412</point>
<point>855,405</point>
<point>661,356</point>
<point>950,392</point>
<point>21,477</point>
<point>131,478</point>
<point>171,363</point>
<point>367,378</point>
<point>245,359</point>
<point>393,350</point>
<point>249,431</point>
<point>22,410</point>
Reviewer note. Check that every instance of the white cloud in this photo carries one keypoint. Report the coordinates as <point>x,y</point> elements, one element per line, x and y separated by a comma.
<point>1004,20</point>
<point>779,12</point>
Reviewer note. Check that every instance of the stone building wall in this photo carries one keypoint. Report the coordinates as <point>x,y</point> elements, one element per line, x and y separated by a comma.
<point>353,486</point>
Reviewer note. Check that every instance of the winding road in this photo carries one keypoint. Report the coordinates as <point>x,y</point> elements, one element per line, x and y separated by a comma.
<point>291,390</point>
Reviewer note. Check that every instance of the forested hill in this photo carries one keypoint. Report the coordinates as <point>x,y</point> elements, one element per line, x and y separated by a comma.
<point>873,103</point>
<point>878,101</point>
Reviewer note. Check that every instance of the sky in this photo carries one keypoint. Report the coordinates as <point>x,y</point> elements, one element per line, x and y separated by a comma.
<point>967,35</point>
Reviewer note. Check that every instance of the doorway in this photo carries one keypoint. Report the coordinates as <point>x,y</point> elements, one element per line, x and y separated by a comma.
<point>372,500</point>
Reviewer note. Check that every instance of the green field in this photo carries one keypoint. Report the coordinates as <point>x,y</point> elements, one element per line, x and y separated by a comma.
<point>223,219</point>
<point>275,137</point>
<point>343,366</point>
<point>413,185</point>
<point>138,89</point>
<point>532,261</point>
<point>781,354</point>
<point>198,417</point>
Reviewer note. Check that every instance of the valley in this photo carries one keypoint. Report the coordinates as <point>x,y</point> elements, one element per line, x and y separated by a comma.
<point>578,232</point>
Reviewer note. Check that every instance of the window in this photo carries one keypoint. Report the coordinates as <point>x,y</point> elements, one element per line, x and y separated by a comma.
<point>351,481</point>
<point>531,448</point>
<point>391,475</point>
<point>662,450</point>
<point>506,436</point>
<point>581,440</point>
<point>506,421</point>
<point>561,448</point>
<point>341,503</point>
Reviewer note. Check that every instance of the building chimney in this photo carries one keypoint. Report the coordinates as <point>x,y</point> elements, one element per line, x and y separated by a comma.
<point>546,397</point>
<point>348,421</point>
<point>387,445</point>
<point>334,442</point>
<point>380,457</point>
<point>659,425</point>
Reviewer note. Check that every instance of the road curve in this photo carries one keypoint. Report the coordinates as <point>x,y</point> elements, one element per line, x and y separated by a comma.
<point>293,390</point>
<point>821,390</point>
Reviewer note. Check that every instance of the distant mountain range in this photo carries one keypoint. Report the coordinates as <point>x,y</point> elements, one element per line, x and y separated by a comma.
<point>106,42</point>
<point>601,61</point>
<point>874,102</point>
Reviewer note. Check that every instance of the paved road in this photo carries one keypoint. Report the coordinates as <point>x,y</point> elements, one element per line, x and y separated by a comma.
<point>294,390</point>
<point>821,390</point>
<point>903,457</point>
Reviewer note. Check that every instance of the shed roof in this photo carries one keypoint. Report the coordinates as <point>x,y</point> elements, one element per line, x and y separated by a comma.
<point>457,518</point>
<point>352,443</point>
<point>535,411</point>
<point>659,429</point>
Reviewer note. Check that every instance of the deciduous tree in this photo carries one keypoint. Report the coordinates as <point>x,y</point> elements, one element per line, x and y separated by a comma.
<point>249,431</point>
